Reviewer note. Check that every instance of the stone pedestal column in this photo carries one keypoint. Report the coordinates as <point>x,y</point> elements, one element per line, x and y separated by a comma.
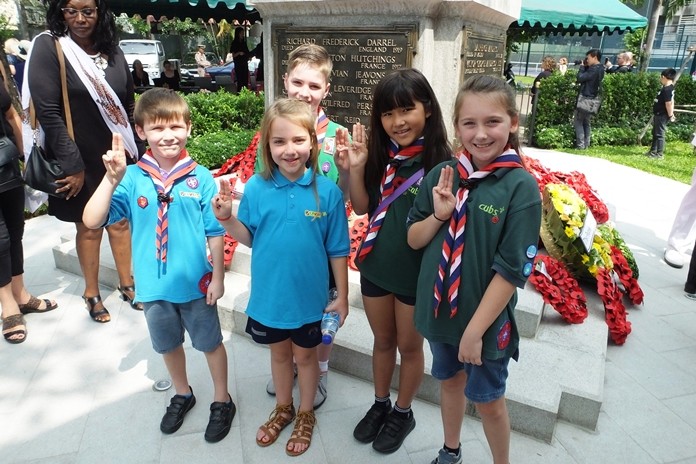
<point>445,39</point>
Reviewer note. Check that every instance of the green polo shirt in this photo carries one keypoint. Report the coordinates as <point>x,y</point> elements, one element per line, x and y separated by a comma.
<point>327,165</point>
<point>502,233</point>
<point>392,264</point>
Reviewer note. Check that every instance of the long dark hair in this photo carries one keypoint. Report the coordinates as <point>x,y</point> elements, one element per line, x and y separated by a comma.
<point>104,32</point>
<point>397,90</point>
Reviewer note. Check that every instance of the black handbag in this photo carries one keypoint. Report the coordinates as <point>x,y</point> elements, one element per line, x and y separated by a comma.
<point>10,175</point>
<point>589,104</point>
<point>41,173</point>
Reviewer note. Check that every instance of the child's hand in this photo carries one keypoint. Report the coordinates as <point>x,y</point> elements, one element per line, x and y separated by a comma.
<point>351,154</point>
<point>215,290</point>
<point>115,160</point>
<point>222,202</point>
<point>470,349</point>
<point>340,305</point>
<point>443,198</point>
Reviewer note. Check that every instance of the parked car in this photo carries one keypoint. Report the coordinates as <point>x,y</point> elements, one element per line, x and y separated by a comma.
<point>226,69</point>
<point>149,52</point>
<point>189,68</point>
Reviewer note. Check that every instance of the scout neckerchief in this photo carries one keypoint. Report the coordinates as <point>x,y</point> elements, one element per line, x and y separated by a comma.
<point>453,247</point>
<point>164,182</point>
<point>321,125</point>
<point>396,157</point>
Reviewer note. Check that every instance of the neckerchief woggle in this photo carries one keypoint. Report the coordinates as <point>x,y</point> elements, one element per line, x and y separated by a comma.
<point>163,185</point>
<point>453,246</point>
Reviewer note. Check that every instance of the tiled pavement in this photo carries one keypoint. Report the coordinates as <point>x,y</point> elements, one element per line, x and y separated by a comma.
<point>80,392</point>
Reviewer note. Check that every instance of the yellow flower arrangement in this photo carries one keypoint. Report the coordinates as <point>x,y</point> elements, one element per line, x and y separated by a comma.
<point>564,216</point>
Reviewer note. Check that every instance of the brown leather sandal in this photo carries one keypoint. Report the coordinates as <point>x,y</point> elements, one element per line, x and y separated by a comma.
<point>9,323</point>
<point>97,315</point>
<point>276,422</point>
<point>33,306</point>
<point>302,433</point>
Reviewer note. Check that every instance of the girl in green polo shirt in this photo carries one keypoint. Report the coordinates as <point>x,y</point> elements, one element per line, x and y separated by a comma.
<point>477,219</point>
<point>407,138</point>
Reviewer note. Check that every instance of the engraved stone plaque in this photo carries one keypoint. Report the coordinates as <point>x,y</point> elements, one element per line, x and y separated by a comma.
<point>361,57</point>
<point>482,54</point>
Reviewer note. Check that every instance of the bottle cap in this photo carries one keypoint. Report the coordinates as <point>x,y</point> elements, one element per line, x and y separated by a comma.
<point>326,339</point>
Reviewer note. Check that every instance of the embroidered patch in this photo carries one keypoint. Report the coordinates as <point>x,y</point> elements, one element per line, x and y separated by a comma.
<point>531,251</point>
<point>142,202</point>
<point>204,283</point>
<point>495,219</point>
<point>192,182</point>
<point>190,195</point>
<point>325,167</point>
<point>527,269</point>
<point>329,145</point>
<point>504,335</point>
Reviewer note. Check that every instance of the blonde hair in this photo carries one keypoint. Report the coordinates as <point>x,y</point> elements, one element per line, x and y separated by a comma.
<point>297,112</point>
<point>313,55</point>
<point>160,104</point>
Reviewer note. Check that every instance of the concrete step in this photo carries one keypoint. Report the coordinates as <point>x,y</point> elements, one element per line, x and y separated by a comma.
<point>560,374</point>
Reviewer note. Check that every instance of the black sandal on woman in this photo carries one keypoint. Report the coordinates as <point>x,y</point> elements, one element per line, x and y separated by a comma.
<point>96,314</point>
<point>128,299</point>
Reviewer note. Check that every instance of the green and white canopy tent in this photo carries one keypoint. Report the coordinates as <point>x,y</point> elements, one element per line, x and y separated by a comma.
<point>568,16</point>
<point>194,9</point>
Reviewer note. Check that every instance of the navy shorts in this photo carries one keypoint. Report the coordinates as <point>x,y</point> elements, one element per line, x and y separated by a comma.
<point>166,323</point>
<point>484,383</point>
<point>307,336</point>
<point>370,289</point>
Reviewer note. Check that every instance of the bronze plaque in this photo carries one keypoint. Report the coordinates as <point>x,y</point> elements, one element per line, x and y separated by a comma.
<point>361,57</point>
<point>482,54</point>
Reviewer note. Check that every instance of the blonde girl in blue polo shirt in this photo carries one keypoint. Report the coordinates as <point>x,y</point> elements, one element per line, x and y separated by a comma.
<point>408,137</point>
<point>292,218</point>
<point>477,219</point>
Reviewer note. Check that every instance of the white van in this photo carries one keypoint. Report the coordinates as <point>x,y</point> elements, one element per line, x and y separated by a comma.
<point>149,52</point>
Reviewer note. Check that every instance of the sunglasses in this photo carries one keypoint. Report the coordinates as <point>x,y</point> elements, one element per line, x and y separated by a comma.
<point>85,12</point>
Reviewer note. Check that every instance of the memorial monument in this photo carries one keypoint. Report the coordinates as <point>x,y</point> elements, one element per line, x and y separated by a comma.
<point>445,39</point>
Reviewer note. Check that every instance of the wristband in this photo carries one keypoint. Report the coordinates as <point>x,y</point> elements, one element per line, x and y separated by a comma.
<point>441,220</point>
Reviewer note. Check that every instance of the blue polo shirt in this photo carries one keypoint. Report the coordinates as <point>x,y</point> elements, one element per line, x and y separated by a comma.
<point>191,221</point>
<point>294,226</point>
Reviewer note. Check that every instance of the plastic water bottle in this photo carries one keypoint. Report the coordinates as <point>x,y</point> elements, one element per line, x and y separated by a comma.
<point>330,321</point>
<point>329,327</point>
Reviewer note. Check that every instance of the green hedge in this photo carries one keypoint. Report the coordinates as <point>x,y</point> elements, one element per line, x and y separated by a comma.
<point>627,101</point>
<point>223,124</point>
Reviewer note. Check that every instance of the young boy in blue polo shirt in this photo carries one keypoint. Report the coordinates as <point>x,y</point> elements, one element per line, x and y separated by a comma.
<point>166,199</point>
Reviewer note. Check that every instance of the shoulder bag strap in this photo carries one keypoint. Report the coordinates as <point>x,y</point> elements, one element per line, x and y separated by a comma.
<point>64,89</point>
<point>396,193</point>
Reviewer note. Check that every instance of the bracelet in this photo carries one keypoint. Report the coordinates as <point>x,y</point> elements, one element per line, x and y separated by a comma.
<point>225,219</point>
<point>441,220</point>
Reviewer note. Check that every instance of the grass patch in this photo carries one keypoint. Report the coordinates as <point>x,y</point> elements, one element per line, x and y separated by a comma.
<point>678,163</point>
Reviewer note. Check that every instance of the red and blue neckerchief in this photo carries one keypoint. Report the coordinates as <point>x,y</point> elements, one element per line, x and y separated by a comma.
<point>453,247</point>
<point>164,182</point>
<point>396,157</point>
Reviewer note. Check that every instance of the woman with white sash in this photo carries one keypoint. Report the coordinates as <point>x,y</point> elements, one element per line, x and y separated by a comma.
<point>101,96</point>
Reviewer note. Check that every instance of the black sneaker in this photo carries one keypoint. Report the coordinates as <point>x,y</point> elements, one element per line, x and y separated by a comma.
<point>221,415</point>
<point>368,427</point>
<point>177,409</point>
<point>393,432</point>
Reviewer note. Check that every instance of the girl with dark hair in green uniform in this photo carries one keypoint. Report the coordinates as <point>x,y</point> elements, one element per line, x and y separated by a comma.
<point>477,219</point>
<point>407,138</point>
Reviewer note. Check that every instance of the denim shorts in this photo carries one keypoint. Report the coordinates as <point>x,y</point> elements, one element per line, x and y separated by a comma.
<point>370,289</point>
<point>484,383</point>
<point>307,336</point>
<point>166,323</point>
